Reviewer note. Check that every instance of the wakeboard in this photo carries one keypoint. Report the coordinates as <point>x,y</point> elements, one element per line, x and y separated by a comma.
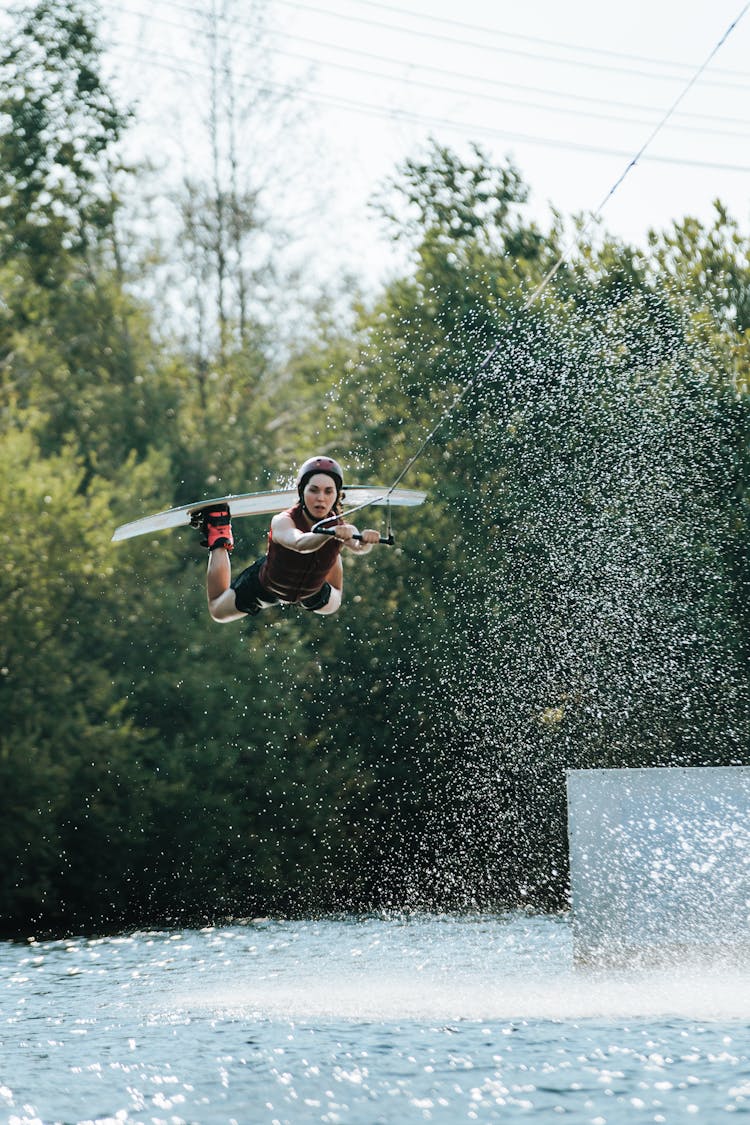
<point>265,503</point>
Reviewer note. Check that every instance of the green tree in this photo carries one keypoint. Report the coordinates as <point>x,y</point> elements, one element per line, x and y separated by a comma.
<point>73,345</point>
<point>59,128</point>
<point>75,787</point>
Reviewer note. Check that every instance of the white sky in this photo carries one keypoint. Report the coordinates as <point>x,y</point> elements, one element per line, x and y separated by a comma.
<point>569,90</point>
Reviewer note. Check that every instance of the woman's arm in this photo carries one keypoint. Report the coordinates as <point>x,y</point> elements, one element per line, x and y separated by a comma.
<point>287,535</point>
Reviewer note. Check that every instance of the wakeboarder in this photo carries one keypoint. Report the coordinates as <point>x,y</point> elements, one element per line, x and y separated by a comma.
<point>301,567</point>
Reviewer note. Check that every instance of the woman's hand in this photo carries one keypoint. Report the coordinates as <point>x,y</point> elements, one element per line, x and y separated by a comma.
<point>347,531</point>
<point>344,531</point>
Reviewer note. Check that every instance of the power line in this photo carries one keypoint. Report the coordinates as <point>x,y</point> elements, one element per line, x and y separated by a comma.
<point>489,80</point>
<point>557,109</point>
<point>453,41</point>
<point>168,63</point>
<point>484,29</point>
<point>504,99</point>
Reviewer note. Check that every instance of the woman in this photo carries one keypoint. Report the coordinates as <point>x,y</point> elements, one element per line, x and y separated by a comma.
<point>300,567</point>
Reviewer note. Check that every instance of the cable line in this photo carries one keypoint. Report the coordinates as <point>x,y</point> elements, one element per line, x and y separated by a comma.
<point>503,100</point>
<point>484,29</point>
<point>442,72</point>
<point>433,121</point>
<point>485,80</point>
<point>453,41</point>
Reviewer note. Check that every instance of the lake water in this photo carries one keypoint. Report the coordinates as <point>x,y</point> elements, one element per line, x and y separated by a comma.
<point>360,1021</point>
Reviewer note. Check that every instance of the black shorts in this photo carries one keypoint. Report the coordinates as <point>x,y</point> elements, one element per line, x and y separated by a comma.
<point>249,595</point>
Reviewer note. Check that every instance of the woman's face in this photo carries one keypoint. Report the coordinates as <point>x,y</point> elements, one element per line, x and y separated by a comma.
<point>319,495</point>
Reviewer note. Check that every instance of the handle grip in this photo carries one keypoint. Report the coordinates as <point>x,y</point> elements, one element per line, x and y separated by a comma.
<point>388,540</point>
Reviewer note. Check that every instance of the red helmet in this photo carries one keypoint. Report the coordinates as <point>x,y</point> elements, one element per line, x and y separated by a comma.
<point>320,465</point>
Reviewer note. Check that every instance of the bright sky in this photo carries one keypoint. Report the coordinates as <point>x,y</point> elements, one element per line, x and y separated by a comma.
<point>570,91</point>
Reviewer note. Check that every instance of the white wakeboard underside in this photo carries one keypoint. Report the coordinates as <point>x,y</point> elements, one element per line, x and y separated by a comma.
<point>264,503</point>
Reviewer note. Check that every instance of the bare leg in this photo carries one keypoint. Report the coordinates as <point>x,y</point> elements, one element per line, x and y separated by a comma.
<point>336,578</point>
<point>221,601</point>
<point>332,605</point>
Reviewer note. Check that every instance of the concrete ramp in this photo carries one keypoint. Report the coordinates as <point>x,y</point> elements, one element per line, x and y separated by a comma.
<point>660,864</point>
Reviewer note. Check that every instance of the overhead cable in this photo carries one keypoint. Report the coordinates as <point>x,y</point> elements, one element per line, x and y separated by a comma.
<point>485,29</point>
<point>442,88</point>
<point>316,9</point>
<point>395,114</point>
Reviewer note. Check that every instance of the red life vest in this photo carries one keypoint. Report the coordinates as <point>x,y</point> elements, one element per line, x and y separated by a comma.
<point>292,575</point>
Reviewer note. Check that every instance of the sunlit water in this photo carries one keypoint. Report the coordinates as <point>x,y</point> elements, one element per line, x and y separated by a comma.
<point>362,1021</point>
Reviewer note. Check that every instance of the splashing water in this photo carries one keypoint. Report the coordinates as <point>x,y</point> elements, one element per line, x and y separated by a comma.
<point>585,612</point>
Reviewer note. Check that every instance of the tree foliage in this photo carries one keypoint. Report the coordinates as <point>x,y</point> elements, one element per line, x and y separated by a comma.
<point>58,130</point>
<point>574,593</point>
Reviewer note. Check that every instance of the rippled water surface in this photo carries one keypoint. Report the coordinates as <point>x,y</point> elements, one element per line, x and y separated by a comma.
<point>363,1021</point>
